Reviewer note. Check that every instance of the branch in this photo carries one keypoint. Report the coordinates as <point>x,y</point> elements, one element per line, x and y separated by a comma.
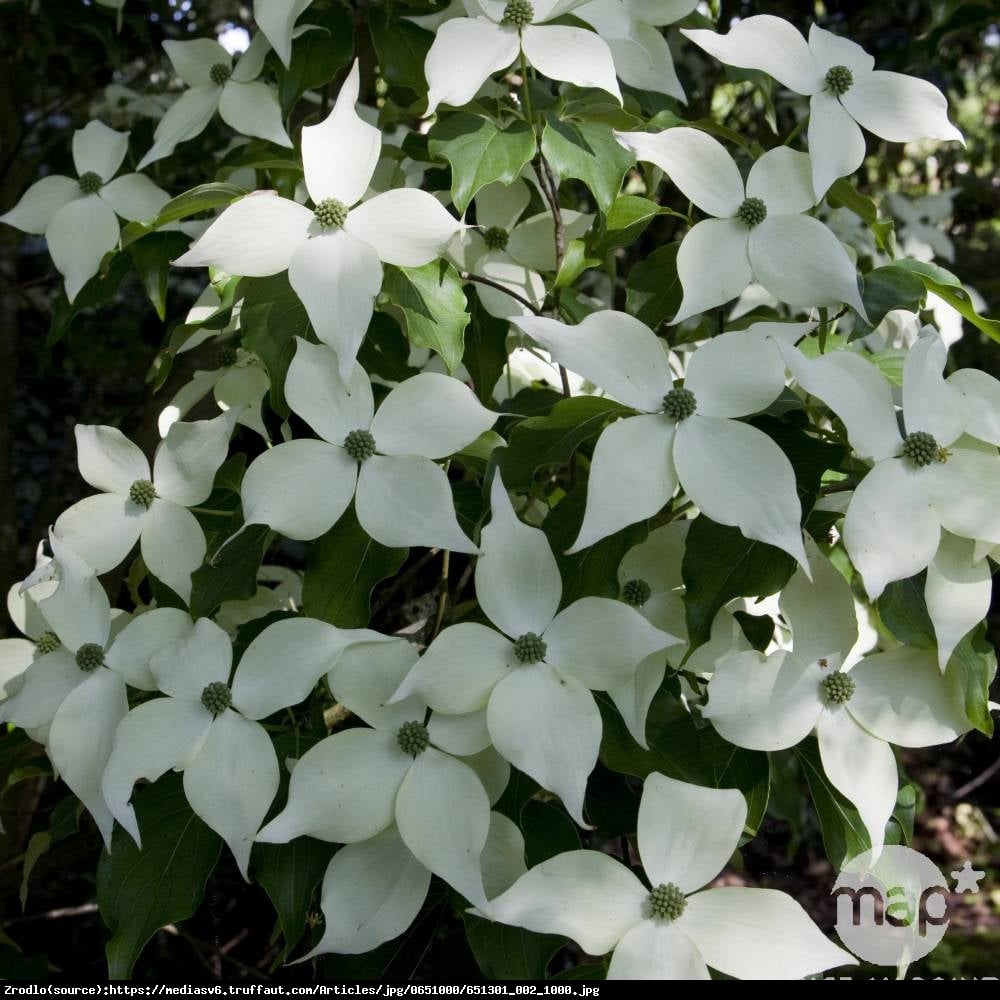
<point>466,276</point>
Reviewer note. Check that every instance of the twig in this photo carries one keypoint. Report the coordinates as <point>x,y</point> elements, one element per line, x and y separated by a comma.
<point>971,786</point>
<point>466,276</point>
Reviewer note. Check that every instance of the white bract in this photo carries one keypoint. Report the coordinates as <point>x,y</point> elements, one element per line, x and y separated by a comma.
<point>759,231</point>
<point>845,91</point>
<point>16,655</point>
<point>230,768</point>
<point>923,235</point>
<point>733,472</point>
<point>686,836</point>
<point>78,217</point>
<point>276,20</point>
<point>149,507</point>
<point>535,675</point>
<point>333,253</point>
<point>382,460</point>
<point>467,50</point>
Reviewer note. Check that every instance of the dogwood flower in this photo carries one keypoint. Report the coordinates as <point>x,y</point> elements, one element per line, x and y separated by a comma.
<point>16,655</point>
<point>534,676</point>
<point>142,506</point>
<point>383,460</point>
<point>758,231</point>
<point>773,702</point>
<point>846,93</point>
<point>276,20</point>
<point>467,50</point>
<point>333,253</point>
<point>78,216</point>
<point>733,472</point>
<point>686,836</point>
<point>922,235</point>
<point>230,767</point>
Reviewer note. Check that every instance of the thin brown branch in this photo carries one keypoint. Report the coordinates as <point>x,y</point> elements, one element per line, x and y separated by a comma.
<point>479,279</point>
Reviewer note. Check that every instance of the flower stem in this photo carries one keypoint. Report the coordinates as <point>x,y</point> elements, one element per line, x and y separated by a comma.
<point>526,90</point>
<point>480,279</point>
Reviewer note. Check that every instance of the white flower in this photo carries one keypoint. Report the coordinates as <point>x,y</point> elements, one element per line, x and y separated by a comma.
<point>148,507</point>
<point>774,702</point>
<point>383,460</point>
<point>334,253</point>
<point>758,233</point>
<point>467,50</point>
<point>734,473</point>
<point>922,218</point>
<point>276,20</point>
<point>845,91</point>
<point>686,836</point>
<point>230,767</point>
<point>244,103</point>
<point>79,217</point>
<point>16,655</point>
<point>535,675</point>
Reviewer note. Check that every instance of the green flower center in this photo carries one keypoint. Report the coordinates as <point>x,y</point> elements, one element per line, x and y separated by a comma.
<point>142,492</point>
<point>679,404</point>
<point>359,445</point>
<point>519,13</point>
<point>636,593</point>
<point>752,212</point>
<point>90,183</point>
<point>530,648</point>
<point>413,738</point>
<point>838,688</point>
<point>89,657</point>
<point>839,79</point>
<point>216,697</point>
<point>331,214</point>
<point>219,74</point>
<point>666,902</point>
<point>227,357</point>
<point>48,642</point>
<point>496,238</point>
<point>921,449</point>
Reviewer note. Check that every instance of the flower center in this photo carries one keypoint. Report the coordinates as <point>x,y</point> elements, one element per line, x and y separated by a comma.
<point>219,74</point>
<point>519,13</point>
<point>636,593</point>
<point>666,902</point>
<point>530,648</point>
<point>839,79</point>
<point>752,212</point>
<point>227,357</point>
<point>359,445</point>
<point>838,688</point>
<point>921,449</point>
<point>331,214</point>
<point>48,642</point>
<point>142,492</point>
<point>413,738</point>
<point>216,697</point>
<point>90,183</point>
<point>679,404</point>
<point>89,657</point>
<point>496,238</point>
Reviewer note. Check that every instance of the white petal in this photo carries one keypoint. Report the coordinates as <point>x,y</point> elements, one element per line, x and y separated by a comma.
<point>172,545</point>
<point>502,204</point>
<point>144,636</point>
<point>712,265</point>
<point>135,197</point>
<point>899,108</point>
<point>492,770</point>
<point>613,350</point>
<point>643,60</point>
<point>108,460</point>
<point>532,242</point>
<point>929,402</point>
<point>697,163</point>
<point>253,109</point>
<point>184,119</point>
<point>405,226</point>
<point>360,771</point>
<point>836,142</point>
<point>657,560</point>
<point>799,261</point>
<point>33,213</point>
<point>766,43</point>
<point>965,493</point>
<point>101,529</point>
<point>758,934</point>
<point>98,149</point>
<point>464,54</point>
<point>659,12</point>
<point>503,856</point>
<point>323,476</point>
<point>585,895</point>
<point>78,610</point>
<point>405,500</point>
<point>462,736</point>
<point>337,278</point>
<point>982,392</point>
<point>832,50</point>
<point>232,782</point>
<point>633,698</point>
<point>16,655</point>
<point>517,579</point>
<point>500,267</point>
<point>783,180</point>
<point>194,60</point>
<point>276,19</point>
<point>656,950</point>
<point>79,236</point>
<point>186,462</point>
<point>254,237</point>
<point>891,531</point>
<point>186,667</point>
<point>547,725</point>
<point>575,55</point>
<point>44,688</point>
<point>737,475</point>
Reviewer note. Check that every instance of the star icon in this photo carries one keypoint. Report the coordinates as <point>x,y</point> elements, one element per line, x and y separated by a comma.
<point>967,878</point>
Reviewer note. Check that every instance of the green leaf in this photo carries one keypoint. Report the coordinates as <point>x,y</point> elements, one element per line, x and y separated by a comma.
<point>548,831</point>
<point>140,891</point>
<point>576,260</point>
<point>653,289</point>
<point>317,55</point>
<point>945,285</point>
<point>891,287</point>
<point>37,846</point>
<point>101,288</point>
<point>624,223</point>
<point>975,662</point>
<point>903,611</point>
<point>589,152</point>
<point>384,351</point>
<point>152,256</point>
<point>485,351</point>
<point>401,47</point>
<point>342,569</point>
<point>199,199</point>
<point>758,629</point>
<point>431,306</point>
<point>480,153</point>
<point>843,194</point>
<point>231,574</point>
<point>504,952</point>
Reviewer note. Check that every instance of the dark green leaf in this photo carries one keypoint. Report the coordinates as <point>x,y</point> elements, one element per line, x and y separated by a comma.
<point>975,662</point>
<point>576,260</point>
<point>945,285</point>
<point>548,831</point>
<point>231,573</point>
<point>810,457</point>
<point>199,199</point>
<point>843,194</point>
<point>485,351</point>
<point>888,288</point>
<point>624,223</point>
<point>589,152</point>
<point>401,47</point>
<point>384,351</point>
<point>903,611</point>
<point>317,55</point>
<point>504,952</point>
<point>152,256</point>
<point>653,289</point>
<point>758,629</point>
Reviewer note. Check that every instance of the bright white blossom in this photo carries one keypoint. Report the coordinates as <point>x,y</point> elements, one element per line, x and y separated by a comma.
<point>17,654</point>
<point>923,235</point>
<point>276,20</point>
